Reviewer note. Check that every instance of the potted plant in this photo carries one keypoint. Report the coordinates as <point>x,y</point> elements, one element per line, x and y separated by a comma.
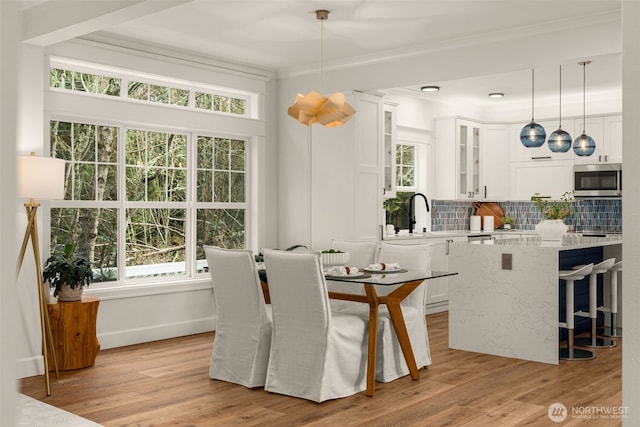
<point>508,222</point>
<point>552,227</point>
<point>68,274</point>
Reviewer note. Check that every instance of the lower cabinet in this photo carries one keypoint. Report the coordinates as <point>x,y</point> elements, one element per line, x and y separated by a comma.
<point>438,289</point>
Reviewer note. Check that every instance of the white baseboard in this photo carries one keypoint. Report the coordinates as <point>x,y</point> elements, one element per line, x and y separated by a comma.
<point>156,332</point>
<point>29,367</point>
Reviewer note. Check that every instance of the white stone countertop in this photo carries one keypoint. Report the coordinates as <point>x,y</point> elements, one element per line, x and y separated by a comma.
<point>453,233</point>
<point>569,241</point>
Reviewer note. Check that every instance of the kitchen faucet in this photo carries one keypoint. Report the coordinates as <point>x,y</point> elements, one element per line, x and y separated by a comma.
<point>411,218</point>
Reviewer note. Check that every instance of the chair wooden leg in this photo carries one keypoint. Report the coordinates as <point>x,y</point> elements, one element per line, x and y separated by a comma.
<point>372,299</point>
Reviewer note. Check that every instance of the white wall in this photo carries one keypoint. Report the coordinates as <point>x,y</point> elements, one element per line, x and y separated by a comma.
<point>10,327</point>
<point>631,211</point>
<point>136,313</point>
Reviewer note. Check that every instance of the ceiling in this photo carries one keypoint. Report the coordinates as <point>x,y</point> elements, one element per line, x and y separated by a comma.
<point>284,35</point>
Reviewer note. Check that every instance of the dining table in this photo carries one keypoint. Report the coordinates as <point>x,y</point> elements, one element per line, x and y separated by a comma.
<point>405,281</point>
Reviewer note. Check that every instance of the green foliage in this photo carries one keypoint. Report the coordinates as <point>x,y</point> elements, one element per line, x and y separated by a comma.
<point>63,267</point>
<point>554,209</point>
<point>332,251</point>
<point>508,220</point>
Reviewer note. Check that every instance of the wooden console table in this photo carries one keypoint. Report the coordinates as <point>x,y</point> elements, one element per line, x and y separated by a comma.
<point>73,327</point>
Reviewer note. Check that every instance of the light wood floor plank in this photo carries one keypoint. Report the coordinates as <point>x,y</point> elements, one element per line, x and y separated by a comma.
<point>166,383</point>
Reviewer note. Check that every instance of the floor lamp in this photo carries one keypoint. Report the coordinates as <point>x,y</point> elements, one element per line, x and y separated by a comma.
<point>39,178</point>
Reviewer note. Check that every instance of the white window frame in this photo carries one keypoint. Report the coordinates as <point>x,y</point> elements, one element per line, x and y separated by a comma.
<point>80,116</point>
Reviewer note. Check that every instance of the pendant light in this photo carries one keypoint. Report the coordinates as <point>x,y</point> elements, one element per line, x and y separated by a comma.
<point>316,108</point>
<point>560,140</point>
<point>584,145</point>
<point>532,135</point>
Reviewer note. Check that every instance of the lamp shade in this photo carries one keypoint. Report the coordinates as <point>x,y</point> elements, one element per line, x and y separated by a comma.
<point>559,141</point>
<point>533,135</point>
<point>39,177</point>
<point>584,145</point>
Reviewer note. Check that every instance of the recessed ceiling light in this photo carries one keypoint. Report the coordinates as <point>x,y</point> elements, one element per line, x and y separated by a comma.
<point>430,88</point>
<point>496,95</point>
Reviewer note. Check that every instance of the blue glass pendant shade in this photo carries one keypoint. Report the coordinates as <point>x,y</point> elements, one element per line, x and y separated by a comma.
<point>559,141</point>
<point>584,145</point>
<point>532,135</point>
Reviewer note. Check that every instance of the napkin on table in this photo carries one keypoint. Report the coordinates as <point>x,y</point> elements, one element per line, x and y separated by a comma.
<point>381,266</point>
<point>342,271</point>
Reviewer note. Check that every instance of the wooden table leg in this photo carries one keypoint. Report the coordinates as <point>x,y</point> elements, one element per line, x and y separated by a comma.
<point>393,301</point>
<point>372,299</point>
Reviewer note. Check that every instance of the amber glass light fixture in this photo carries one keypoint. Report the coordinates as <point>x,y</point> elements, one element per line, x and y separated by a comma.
<point>584,145</point>
<point>314,107</point>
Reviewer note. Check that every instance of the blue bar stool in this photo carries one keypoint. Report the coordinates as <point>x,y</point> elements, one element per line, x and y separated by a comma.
<point>593,340</point>
<point>570,276</point>
<point>613,331</point>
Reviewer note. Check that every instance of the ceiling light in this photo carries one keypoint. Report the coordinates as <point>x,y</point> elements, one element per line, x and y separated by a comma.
<point>560,140</point>
<point>316,108</point>
<point>496,95</point>
<point>532,135</point>
<point>430,88</point>
<point>584,145</point>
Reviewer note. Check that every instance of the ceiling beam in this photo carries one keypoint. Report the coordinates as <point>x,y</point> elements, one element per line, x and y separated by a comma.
<point>55,21</point>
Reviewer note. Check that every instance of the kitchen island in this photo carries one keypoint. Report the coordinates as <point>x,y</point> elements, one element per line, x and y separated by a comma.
<point>506,298</point>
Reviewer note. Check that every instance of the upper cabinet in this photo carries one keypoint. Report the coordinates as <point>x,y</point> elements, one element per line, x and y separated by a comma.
<point>495,162</point>
<point>521,153</point>
<point>389,150</point>
<point>607,134</point>
<point>458,149</point>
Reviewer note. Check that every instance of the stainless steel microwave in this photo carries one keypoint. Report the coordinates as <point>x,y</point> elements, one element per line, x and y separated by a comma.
<point>602,180</point>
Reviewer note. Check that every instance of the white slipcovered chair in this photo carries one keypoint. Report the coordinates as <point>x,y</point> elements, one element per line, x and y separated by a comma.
<point>390,362</point>
<point>361,254</point>
<point>316,354</point>
<point>244,322</point>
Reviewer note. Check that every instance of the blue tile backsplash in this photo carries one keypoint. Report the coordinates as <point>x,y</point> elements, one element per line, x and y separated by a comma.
<point>586,215</point>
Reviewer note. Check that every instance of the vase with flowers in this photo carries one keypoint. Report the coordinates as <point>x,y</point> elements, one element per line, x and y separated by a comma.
<point>552,227</point>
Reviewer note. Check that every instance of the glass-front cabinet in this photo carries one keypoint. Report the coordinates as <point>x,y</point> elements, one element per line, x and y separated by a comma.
<point>468,159</point>
<point>389,150</point>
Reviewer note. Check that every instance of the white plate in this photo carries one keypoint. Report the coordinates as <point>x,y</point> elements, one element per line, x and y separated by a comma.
<point>352,276</point>
<point>389,270</point>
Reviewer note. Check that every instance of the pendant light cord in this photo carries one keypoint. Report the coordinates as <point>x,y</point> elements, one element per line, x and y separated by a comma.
<point>322,55</point>
<point>560,106</point>
<point>584,124</point>
<point>532,93</point>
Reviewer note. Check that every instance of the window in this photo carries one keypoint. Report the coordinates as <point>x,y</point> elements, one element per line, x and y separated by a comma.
<point>142,198</point>
<point>154,211</point>
<point>405,166</point>
<point>80,79</point>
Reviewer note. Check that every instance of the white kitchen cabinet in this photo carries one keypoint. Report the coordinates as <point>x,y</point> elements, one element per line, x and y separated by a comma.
<point>549,178</point>
<point>389,150</point>
<point>495,162</point>
<point>347,175</point>
<point>457,158</point>
<point>438,289</point>
<point>607,133</point>
<point>521,153</point>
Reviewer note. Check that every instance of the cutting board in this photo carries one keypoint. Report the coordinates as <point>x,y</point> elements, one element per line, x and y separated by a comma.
<point>490,209</point>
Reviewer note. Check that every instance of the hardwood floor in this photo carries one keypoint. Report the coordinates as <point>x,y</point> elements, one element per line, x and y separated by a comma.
<point>166,383</point>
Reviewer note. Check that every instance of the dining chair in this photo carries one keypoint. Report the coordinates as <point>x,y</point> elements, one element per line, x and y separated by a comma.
<point>390,360</point>
<point>244,322</point>
<point>361,254</point>
<point>316,353</point>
